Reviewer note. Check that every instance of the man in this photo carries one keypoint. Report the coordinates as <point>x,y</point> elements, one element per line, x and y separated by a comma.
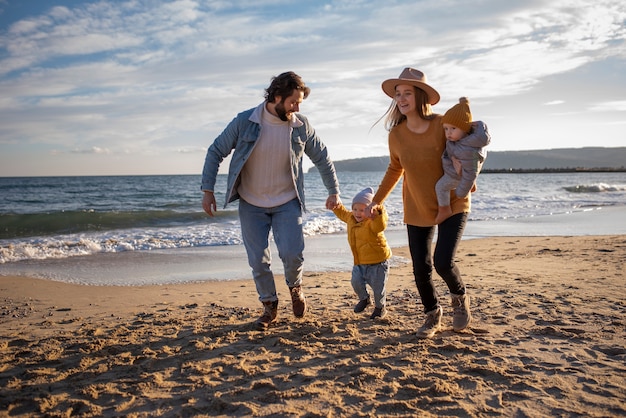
<point>265,174</point>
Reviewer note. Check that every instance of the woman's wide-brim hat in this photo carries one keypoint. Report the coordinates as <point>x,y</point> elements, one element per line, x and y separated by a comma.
<point>412,77</point>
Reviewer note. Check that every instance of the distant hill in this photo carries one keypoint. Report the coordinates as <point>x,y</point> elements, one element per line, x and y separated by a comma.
<point>563,159</point>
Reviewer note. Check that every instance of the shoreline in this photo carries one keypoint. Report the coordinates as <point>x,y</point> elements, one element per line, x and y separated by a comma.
<point>547,338</point>
<point>323,253</point>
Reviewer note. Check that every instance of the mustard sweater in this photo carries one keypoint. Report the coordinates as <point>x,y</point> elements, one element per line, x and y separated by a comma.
<point>366,238</point>
<point>416,158</point>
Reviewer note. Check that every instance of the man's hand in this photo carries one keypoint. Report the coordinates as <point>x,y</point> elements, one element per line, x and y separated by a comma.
<point>208,203</point>
<point>333,201</point>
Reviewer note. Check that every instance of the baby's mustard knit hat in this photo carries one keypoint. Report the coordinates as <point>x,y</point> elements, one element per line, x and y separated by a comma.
<point>459,115</point>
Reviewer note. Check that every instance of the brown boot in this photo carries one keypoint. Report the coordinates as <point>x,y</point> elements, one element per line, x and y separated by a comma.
<point>297,301</point>
<point>269,314</point>
<point>462,315</point>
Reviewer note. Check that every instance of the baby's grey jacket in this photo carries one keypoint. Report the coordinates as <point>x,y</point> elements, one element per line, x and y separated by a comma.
<point>470,151</point>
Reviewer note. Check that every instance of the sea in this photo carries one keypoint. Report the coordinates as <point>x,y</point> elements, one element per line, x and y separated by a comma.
<point>136,230</point>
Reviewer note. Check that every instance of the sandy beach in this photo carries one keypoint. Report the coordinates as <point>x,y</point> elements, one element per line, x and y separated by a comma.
<point>548,338</point>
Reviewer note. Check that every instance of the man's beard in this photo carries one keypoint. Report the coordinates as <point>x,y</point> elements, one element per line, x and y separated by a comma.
<point>281,111</point>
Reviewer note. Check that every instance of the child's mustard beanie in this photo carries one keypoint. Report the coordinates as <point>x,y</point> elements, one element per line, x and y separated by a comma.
<point>459,115</point>
<point>365,196</point>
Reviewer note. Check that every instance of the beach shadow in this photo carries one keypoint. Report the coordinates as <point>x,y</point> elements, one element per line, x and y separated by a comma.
<point>212,360</point>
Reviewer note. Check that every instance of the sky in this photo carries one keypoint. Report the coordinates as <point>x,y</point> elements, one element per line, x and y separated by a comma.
<point>129,87</point>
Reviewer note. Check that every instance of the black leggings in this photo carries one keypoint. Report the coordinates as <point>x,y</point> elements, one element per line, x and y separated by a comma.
<point>449,235</point>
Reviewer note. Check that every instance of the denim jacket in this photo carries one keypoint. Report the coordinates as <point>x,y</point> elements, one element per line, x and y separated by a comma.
<point>241,135</point>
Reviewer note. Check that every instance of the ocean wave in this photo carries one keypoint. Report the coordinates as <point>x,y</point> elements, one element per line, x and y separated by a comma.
<point>595,188</point>
<point>73,222</point>
<point>145,239</point>
<point>222,232</point>
<point>166,219</point>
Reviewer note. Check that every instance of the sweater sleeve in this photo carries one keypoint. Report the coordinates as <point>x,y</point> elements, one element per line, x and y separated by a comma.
<point>390,179</point>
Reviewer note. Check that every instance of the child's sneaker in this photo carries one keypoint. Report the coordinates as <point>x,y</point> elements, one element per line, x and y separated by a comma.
<point>379,313</point>
<point>360,307</point>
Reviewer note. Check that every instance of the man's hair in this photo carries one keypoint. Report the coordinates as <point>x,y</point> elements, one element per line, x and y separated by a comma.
<point>284,86</point>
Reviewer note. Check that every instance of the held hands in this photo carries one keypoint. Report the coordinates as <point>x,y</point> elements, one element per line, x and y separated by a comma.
<point>372,210</point>
<point>333,201</point>
<point>208,203</point>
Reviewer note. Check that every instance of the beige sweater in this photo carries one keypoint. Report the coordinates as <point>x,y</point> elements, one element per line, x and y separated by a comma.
<point>266,179</point>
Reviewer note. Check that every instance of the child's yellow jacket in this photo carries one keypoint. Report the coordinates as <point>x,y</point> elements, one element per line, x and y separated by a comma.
<point>367,239</point>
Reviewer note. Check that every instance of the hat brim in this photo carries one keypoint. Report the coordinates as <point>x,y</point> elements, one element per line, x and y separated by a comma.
<point>389,87</point>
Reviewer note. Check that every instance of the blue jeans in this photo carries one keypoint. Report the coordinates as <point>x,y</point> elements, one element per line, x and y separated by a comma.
<point>285,222</point>
<point>376,276</point>
<point>449,234</point>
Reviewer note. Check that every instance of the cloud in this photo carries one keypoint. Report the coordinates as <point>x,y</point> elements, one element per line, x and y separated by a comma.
<point>192,150</point>
<point>127,76</point>
<point>610,106</point>
<point>92,150</point>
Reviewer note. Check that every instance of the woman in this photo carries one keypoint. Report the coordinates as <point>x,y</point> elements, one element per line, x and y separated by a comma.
<point>416,144</point>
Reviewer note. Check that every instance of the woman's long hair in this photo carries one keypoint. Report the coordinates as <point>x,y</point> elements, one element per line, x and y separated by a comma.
<point>393,117</point>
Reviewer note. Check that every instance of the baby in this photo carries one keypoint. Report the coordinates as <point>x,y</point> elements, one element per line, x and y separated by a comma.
<point>465,142</point>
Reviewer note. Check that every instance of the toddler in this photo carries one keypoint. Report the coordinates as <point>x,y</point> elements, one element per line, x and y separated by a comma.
<point>370,251</point>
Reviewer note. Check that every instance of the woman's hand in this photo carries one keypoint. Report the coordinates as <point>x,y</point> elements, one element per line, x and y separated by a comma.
<point>458,167</point>
<point>372,210</point>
